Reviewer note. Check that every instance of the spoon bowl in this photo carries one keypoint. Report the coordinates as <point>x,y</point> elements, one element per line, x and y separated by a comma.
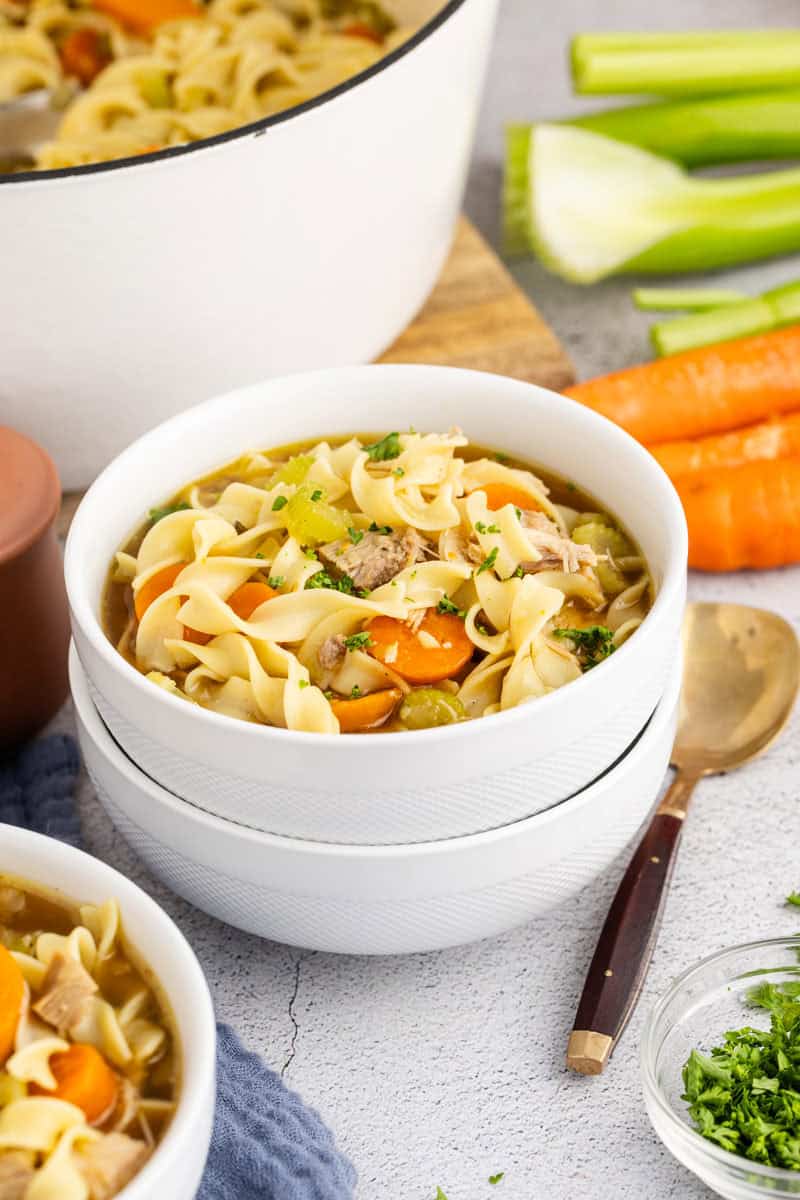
<point>741,674</point>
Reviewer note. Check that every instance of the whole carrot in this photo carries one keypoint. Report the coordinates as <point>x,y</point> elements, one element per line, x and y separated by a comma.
<point>779,438</point>
<point>745,516</point>
<point>709,390</point>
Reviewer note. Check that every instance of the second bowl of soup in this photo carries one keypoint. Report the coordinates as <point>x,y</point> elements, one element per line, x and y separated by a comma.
<point>492,598</point>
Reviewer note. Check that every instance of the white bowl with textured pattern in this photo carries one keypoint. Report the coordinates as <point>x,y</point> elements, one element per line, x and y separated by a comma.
<point>176,1167</point>
<point>385,788</point>
<point>378,899</point>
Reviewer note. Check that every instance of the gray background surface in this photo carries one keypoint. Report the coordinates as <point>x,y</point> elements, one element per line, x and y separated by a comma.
<point>441,1069</point>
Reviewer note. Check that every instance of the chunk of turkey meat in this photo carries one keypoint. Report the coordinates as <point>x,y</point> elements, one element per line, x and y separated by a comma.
<point>109,1163</point>
<point>16,1172</point>
<point>375,559</point>
<point>556,549</point>
<point>331,652</point>
<point>66,991</point>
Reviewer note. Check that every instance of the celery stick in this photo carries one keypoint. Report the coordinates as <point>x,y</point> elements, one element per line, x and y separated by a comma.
<point>685,299</point>
<point>734,128</point>
<point>597,207</point>
<point>686,64</point>
<point>774,309</point>
<point>516,235</point>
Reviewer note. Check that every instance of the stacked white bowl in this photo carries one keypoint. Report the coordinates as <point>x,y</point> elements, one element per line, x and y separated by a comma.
<point>392,842</point>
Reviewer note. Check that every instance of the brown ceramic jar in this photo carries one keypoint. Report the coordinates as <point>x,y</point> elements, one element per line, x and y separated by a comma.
<point>34,620</point>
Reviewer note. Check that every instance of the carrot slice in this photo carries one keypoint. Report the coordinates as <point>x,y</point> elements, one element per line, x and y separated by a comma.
<point>767,440</point>
<point>143,16</point>
<point>745,516</point>
<point>83,1078</point>
<point>247,598</point>
<point>367,712</point>
<point>155,586</point>
<point>500,494</point>
<point>708,390</point>
<point>12,994</point>
<point>360,29</point>
<point>84,53</point>
<point>398,646</point>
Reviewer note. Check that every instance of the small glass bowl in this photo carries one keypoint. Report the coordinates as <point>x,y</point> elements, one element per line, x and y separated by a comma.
<point>705,1002</point>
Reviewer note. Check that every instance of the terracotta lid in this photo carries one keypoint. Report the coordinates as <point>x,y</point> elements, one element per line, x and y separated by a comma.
<point>30,493</point>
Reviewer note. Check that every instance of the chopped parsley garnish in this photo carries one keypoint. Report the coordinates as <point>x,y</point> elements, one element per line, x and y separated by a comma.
<point>311,553</point>
<point>482,528</point>
<point>501,457</point>
<point>345,585</point>
<point>591,645</point>
<point>276,581</point>
<point>355,692</point>
<point>258,555</point>
<point>446,605</point>
<point>482,629</point>
<point>496,1178</point>
<point>519,572</point>
<point>380,528</point>
<point>793,898</point>
<point>571,487</point>
<point>316,494</point>
<point>488,562</point>
<point>745,1094</point>
<point>358,641</point>
<point>355,535</point>
<point>279,502</point>
<point>158,514</point>
<point>518,511</point>
<point>398,472</point>
<point>388,447</point>
<point>440,1194</point>
<point>302,683</point>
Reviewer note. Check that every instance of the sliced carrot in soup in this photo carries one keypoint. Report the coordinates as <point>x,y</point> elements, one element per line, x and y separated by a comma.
<point>438,649</point>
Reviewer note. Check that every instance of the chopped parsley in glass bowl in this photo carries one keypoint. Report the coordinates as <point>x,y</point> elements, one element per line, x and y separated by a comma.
<point>721,1069</point>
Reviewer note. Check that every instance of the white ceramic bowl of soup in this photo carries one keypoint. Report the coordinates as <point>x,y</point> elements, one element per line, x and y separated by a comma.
<point>378,899</point>
<point>57,870</point>
<point>305,239</point>
<point>387,788</point>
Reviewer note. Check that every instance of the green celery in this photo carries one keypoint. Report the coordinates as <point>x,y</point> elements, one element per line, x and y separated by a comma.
<point>685,64</point>
<point>591,206</point>
<point>774,309</point>
<point>654,299</point>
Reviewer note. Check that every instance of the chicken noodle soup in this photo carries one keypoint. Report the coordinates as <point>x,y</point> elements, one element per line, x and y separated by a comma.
<point>394,583</point>
<point>138,76</point>
<point>87,1059</point>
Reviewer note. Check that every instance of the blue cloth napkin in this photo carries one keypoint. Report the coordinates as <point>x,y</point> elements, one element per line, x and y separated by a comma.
<point>267,1144</point>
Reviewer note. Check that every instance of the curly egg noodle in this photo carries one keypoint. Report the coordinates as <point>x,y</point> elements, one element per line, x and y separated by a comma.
<point>235,62</point>
<point>487,588</point>
<point>63,1137</point>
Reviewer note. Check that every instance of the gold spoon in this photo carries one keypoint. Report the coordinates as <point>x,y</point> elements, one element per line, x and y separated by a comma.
<point>741,670</point>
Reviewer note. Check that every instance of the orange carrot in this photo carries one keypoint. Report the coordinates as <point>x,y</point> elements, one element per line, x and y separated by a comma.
<point>398,646</point>
<point>360,29</point>
<point>247,598</point>
<point>155,586</point>
<point>366,712</point>
<point>83,1078</point>
<point>84,53</point>
<point>500,494</point>
<point>12,994</point>
<point>708,390</point>
<point>745,516</point>
<point>779,438</point>
<point>143,16</point>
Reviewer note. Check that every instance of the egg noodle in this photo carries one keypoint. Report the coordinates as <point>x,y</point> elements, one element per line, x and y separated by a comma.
<point>50,1149</point>
<point>190,78</point>
<point>349,540</point>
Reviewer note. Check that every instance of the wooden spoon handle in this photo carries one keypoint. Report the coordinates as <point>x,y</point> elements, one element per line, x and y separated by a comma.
<point>626,943</point>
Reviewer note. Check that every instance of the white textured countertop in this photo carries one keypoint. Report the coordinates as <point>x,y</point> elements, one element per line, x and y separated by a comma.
<point>441,1069</point>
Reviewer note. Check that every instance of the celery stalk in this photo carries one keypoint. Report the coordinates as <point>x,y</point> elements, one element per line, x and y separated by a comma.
<point>775,308</point>
<point>598,207</point>
<point>685,64</point>
<point>736,128</point>
<point>685,299</point>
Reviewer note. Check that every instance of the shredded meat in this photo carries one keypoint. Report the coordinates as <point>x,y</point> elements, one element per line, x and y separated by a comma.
<point>376,559</point>
<point>66,992</point>
<point>108,1164</point>
<point>16,1172</point>
<point>560,550</point>
<point>331,652</point>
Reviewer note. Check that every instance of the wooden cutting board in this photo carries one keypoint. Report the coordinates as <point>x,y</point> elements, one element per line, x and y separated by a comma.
<point>475,317</point>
